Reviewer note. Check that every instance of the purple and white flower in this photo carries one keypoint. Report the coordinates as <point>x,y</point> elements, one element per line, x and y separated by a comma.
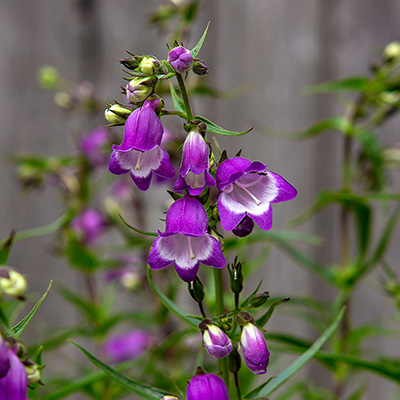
<point>255,351</point>
<point>140,152</point>
<point>180,58</point>
<point>128,346</point>
<point>185,241</point>
<point>205,386</point>
<point>247,188</point>
<point>90,225</point>
<point>13,378</point>
<point>193,173</point>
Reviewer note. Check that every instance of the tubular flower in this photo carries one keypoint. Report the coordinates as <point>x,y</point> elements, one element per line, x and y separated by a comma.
<point>14,383</point>
<point>216,342</point>
<point>185,241</point>
<point>193,173</point>
<point>129,346</point>
<point>205,386</point>
<point>140,152</point>
<point>92,145</point>
<point>255,351</point>
<point>248,189</point>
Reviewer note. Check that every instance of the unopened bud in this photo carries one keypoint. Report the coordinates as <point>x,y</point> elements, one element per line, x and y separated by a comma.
<point>33,371</point>
<point>200,67</point>
<point>225,323</point>
<point>392,51</point>
<point>12,282</point>
<point>48,77</point>
<point>131,62</point>
<point>216,342</point>
<point>181,59</point>
<point>196,290</point>
<point>244,318</point>
<point>234,360</point>
<point>236,276</point>
<point>149,65</point>
<point>258,300</point>
<point>63,99</point>
<point>117,114</point>
<point>138,89</point>
<point>171,398</point>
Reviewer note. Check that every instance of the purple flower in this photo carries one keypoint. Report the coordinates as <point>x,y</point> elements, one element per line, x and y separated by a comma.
<point>128,346</point>
<point>185,241</point>
<point>248,189</point>
<point>14,383</point>
<point>90,224</point>
<point>92,144</point>
<point>255,351</point>
<point>128,274</point>
<point>193,174</point>
<point>4,357</point>
<point>216,342</point>
<point>140,152</point>
<point>205,386</point>
<point>181,59</point>
<point>245,227</point>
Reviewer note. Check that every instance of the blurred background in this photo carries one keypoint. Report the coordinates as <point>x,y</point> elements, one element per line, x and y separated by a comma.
<point>264,50</point>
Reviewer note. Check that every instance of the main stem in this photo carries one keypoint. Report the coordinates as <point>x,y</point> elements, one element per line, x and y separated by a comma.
<point>219,305</point>
<point>185,97</point>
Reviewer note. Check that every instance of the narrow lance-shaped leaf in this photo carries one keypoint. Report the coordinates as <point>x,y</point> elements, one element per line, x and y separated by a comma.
<point>178,103</point>
<point>214,128</point>
<point>145,391</point>
<point>351,84</point>
<point>196,49</point>
<point>21,325</point>
<point>176,310</point>
<point>137,230</point>
<point>265,318</point>
<point>5,249</point>
<point>276,382</point>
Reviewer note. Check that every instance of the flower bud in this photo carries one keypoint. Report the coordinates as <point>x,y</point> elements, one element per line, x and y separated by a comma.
<point>149,65</point>
<point>196,290</point>
<point>259,299</point>
<point>216,342</point>
<point>33,371</point>
<point>392,51</point>
<point>205,386</point>
<point>168,397</point>
<point>225,322</point>
<point>4,357</point>
<point>245,227</point>
<point>200,67</point>
<point>117,114</point>
<point>236,276</point>
<point>48,77</point>
<point>255,351</point>
<point>12,282</point>
<point>138,89</point>
<point>131,62</point>
<point>234,360</point>
<point>180,58</point>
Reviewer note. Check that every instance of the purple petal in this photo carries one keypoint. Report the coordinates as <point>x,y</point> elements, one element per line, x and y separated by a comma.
<point>188,216</point>
<point>13,386</point>
<point>216,258</point>
<point>194,155</point>
<point>229,213</point>
<point>114,165</point>
<point>166,170</point>
<point>4,357</point>
<point>285,190</point>
<point>256,166</point>
<point>180,185</point>
<point>207,387</point>
<point>263,220</point>
<point>230,170</point>
<point>142,183</point>
<point>160,257</point>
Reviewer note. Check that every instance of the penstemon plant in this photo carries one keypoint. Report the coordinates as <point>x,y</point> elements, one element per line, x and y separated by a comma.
<point>218,205</point>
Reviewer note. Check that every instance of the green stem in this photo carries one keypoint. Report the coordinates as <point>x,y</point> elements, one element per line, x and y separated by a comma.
<point>185,98</point>
<point>219,306</point>
<point>238,394</point>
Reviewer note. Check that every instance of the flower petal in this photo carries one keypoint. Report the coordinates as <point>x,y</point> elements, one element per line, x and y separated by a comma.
<point>285,190</point>
<point>114,166</point>
<point>160,257</point>
<point>165,169</point>
<point>13,386</point>
<point>142,183</point>
<point>231,213</point>
<point>263,220</point>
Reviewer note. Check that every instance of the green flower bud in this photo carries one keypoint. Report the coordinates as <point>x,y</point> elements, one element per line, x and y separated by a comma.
<point>258,300</point>
<point>244,318</point>
<point>117,114</point>
<point>48,77</point>
<point>234,360</point>
<point>131,62</point>
<point>149,65</point>
<point>33,371</point>
<point>236,276</point>
<point>138,89</point>
<point>200,67</point>
<point>392,51</point>
<point>196,290</point>
<point>12,282</point>
<point>63,99</point>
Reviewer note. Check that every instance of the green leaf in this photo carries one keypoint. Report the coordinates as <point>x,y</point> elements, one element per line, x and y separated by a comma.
<point>265,318</point>
<point>141,389</point>
<point>196,49</point>
<point>81,256</point>
<point>21,325</point>
<point>255,392</point>
<point>351,84</point>
<point>178,103</point>
<point>246,302</point>
<point>175,309</point>
<point>137,230</point>
<point>214,128</point>
<point>5,249</point>
<point>276,382</point>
